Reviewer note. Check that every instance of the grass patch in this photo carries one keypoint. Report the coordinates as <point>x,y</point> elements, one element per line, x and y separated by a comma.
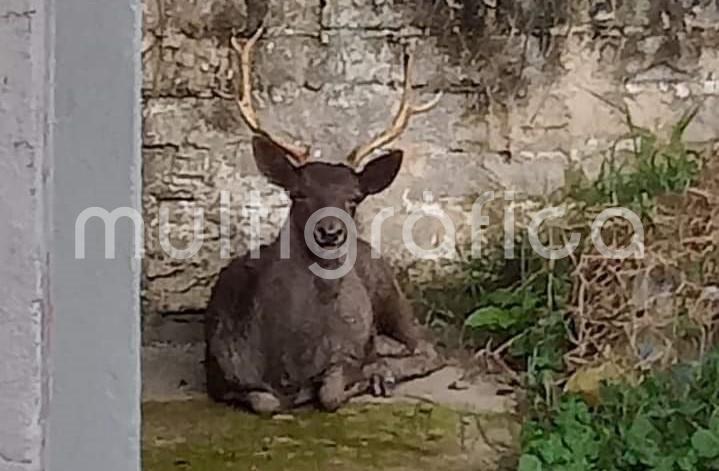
<point>205,436</point>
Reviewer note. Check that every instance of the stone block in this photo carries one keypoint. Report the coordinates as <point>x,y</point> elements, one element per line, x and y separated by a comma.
<point>703,128</point>
<point>185,67</point>
<point>533,174</point>
<point>200,20</point>
<point>219,19</point>
<point>295,16</point>
<point>206,124</point>
<point>354,57</point>
<point>363,14</point>
<point>290,62</point>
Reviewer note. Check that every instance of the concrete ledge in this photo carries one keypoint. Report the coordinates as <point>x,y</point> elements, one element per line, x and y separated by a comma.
<point>172,372</point>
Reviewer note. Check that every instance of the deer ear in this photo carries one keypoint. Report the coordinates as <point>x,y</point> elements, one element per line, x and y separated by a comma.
<point>380,172</point>
<point>274,163</point>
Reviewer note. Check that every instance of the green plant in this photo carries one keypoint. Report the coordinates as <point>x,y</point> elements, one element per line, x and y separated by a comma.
<point>505,311</point>
<point>524,310</point>
<point>653,168</point>
<point>669,422</point>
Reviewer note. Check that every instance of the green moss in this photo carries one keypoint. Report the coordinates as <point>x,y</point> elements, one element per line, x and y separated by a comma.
<point>203,436</point>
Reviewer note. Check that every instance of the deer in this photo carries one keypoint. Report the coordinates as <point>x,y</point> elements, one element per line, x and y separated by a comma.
<point>277,334</point>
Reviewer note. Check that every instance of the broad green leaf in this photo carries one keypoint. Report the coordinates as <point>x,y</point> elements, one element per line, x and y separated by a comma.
<point>706,443</point>
<point>664,464</point>
<point>714,422</point>
<point>490,316</point>
<point>641,427</point>
<point>688,462</point>
<point>502,298</point>
<point>529,463</point>
<point>553,450</point>
<point>640,439</point>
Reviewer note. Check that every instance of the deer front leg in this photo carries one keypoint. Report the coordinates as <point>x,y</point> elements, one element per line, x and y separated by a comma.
<point>339,385</point>
<point>263,402</point>
<point>332,391</point>
<point>385,373</point>
<point>393,313</point>
<point>376,378</point>
<point>231,372</point>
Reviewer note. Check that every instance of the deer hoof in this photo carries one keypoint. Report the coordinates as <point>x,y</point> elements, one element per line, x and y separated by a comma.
<point>263,403</point>
<point>330,400</point>
<point>332,393</point>
<point>382,385</point>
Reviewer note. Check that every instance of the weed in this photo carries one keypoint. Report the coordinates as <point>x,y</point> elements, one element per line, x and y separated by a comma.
<point>654,168</point>
<point>669,422</point>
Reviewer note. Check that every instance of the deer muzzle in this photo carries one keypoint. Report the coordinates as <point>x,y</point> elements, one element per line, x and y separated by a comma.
<point>330,232</point>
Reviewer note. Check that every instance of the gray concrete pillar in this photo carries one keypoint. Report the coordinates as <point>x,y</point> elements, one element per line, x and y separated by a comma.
<point>69,327</point>
<point>24,234</point>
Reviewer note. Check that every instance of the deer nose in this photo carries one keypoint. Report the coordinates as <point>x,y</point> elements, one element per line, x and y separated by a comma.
<point>330,232</point>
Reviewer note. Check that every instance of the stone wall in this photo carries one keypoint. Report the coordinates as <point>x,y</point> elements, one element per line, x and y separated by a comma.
<point>530,88</point>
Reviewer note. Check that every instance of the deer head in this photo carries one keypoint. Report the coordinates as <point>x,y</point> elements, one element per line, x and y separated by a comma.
<point>314,186</point>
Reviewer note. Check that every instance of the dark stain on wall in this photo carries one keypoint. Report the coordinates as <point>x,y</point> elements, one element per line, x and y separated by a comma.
<point>224,19</point>
<point>501,39</point>
<point>224,116</point>
<point>498,39</point>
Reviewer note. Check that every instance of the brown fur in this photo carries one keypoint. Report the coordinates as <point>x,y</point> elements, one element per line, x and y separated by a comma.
<point>278,335</point>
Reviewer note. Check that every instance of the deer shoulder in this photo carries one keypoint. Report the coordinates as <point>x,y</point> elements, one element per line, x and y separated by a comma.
<point>393,313</point>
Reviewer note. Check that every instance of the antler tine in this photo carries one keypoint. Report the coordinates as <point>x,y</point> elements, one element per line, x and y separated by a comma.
<point>244,96</point>
<point>401,119</point>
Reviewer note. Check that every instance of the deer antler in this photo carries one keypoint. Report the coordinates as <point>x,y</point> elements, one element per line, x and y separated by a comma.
<point>244,97</point>
<point>401,119</point>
